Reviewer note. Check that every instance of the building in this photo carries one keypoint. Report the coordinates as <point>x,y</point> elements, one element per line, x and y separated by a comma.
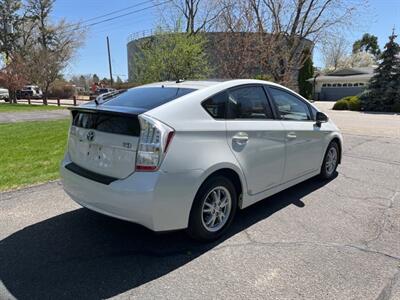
<point>218,52</point>
<point>341,83</point>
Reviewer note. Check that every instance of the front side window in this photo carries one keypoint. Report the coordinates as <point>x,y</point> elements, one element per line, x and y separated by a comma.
<point>248,103</point>
<point>289,106</point>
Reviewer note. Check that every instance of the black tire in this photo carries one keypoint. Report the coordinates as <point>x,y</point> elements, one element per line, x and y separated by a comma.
<point>328,173</point>
<point>197,229</point>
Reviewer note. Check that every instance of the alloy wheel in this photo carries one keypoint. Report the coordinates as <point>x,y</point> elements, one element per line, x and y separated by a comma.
<point>216,209</point>
<point>331,160</point>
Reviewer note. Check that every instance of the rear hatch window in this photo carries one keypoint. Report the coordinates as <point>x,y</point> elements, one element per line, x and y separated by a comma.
<point>147,97</point>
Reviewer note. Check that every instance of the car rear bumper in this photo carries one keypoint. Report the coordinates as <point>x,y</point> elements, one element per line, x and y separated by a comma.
<point>157,200</point>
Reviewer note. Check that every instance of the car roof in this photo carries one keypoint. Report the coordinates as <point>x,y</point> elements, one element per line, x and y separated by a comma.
<point>201,84</point>
<point>189,84</point>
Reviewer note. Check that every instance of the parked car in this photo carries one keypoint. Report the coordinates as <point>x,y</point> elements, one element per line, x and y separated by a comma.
<point>189,154</point>
<point>100,91</point>
<point>4,95</point>
<point>30,91</point>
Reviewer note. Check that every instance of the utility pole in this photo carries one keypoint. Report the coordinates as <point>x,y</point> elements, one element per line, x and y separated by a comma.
<point>109,61</point>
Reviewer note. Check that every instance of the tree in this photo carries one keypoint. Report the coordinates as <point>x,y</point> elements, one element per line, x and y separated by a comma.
<point>335,53</point>
<point>119,80</point>
<point>238,47</point>
<point>13,76</point>
<point>170,56</point>
<point>291,26</point>
<point>384,88</point>
<point>105,82</point>
<point>96,78</point>
<point>10,21</point>
<point>362,59</point>
<point>40,11</point>
<point>369,44</point>
<point>56,45</point>
<point>198,15</point>
<point>306,72</point>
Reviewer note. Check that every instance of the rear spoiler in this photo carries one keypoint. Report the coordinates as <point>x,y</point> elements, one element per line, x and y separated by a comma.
<point>114,110</point>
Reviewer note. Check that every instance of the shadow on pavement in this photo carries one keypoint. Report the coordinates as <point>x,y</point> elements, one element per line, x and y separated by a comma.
<point>81,254</point>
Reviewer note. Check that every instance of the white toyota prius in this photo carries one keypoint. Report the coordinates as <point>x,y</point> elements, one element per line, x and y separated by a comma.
<point>187,155</point>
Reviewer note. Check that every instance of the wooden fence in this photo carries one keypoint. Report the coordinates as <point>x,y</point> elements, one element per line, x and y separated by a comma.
<point>74,101</point>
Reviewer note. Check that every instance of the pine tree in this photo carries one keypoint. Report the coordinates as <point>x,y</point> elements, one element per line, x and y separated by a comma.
<point>396,85</point>
<point>306,72</point>
<point>96,78</point>
<point>383,87</point>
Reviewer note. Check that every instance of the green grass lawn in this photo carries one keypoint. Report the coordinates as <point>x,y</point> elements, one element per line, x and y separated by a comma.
<point>7,107</point>
<point>30,152</point>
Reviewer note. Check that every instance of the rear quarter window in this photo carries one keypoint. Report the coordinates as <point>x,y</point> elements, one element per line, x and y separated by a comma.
<point>216,105</point>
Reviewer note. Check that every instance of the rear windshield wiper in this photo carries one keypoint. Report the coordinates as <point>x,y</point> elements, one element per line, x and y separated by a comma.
<point>107,96</point>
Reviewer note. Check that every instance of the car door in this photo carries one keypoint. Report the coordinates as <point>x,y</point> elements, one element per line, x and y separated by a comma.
<point>303,139</point>
<point>255,137</point>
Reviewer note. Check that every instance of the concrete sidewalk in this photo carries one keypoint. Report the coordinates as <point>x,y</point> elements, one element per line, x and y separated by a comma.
<point>10,117</point>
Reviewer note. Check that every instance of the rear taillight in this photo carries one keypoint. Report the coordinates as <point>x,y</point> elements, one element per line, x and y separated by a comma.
<point>155,137</point>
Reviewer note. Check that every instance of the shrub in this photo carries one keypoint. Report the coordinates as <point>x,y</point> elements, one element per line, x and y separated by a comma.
<point>396,108</point>
<point>341,105</point>
<point>347,98</point>
<point>63,92</point>
<point>348,103</point>
<point>354,103</point>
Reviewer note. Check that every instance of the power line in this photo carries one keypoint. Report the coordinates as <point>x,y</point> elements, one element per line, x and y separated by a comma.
<point>108,14</point>
<point>119,16</point>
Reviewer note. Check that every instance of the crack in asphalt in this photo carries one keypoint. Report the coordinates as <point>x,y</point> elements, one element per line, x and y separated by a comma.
<point>341,173</point>
<point>368,158</point>
<point>386,292</point>
<point>351,148</point>
<point>252,241</point>
<point>368,198</point>
<point>384,220</point>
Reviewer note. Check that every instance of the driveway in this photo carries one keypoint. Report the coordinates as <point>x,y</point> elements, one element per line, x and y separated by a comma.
<point>20,116</point>
<point>317,240</point>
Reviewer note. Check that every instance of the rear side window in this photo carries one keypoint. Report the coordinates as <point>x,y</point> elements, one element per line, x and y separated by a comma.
<point>249,103</point>
<point>216,105</point>
<point>147,97</point>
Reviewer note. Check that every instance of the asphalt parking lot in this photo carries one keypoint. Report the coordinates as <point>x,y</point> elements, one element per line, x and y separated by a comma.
<point>318,240</point>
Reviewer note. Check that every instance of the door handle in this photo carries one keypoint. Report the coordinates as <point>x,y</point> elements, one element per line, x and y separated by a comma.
<point>241,138</point>
<point>291,135</point>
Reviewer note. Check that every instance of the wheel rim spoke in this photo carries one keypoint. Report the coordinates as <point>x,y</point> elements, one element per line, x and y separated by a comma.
<point>224,202</point>
<point>331,160</point>
<point>216,209</point>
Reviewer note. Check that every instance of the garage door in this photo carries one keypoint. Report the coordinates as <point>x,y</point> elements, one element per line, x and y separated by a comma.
<point>336,93</point>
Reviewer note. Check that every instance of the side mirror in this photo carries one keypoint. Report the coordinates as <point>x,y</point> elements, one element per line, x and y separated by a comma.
<point>321,118</point>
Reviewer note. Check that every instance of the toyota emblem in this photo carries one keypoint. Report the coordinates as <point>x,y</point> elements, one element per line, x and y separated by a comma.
<point>90,136</point>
